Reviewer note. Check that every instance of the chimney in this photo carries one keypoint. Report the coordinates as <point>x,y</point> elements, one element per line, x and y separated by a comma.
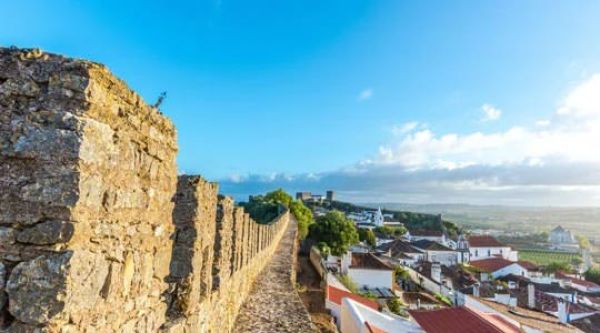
<point>436,272</point>
<point>476,290</point>
<point>345,262</point>
<point>531,296</point>
<point>563,316</point>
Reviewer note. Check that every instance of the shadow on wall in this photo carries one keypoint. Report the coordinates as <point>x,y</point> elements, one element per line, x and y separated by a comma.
<point>190,268</point>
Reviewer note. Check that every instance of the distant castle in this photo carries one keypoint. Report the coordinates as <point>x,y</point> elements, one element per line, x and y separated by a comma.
<point>310,197</point>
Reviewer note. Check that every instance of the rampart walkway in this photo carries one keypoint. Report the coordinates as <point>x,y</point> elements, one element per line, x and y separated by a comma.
<point>273,304</point>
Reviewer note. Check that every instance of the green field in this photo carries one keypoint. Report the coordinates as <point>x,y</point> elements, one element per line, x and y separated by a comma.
<point>541,257</point>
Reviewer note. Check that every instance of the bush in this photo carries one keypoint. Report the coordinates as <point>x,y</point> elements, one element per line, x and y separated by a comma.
<point>348,283</point>
<point>395,305</point>
<point>400,272</point>
<point>555,267</point>
<point>391,232</point>
<point>265,208</point>
<point>444,299</point>
<point>593,274</point>
<point>367,236</point>
<point>304,217</point>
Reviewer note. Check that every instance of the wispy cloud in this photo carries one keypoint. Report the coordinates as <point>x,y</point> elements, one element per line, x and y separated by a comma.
<point>490,112</point>
<point>542,123</point>
<point>365,95</point>
<point>402,129</point>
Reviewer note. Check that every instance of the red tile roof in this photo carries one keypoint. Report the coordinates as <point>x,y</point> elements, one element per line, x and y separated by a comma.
<point>528,265</point>
<point>368,261</point>
<point>374,329</point>
<point>460,320</point>
<point>492,264</point>
<point>484,241</point>
<point>574,280</point>
<point>336,295</point>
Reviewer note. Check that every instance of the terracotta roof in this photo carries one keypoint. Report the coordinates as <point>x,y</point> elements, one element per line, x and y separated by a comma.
<point>492,264</point>
<point>548,303</point>
<point>336,295</point>
<point>528,265</point>
<point>426,233</point>
<point>398,247</point>
<point>459,320</point>
<point>368,261</point>
<point>588,324</point>
<point>414,297</point>
<point>484,241</point>
<point>373,329</point>
<point>585,283</point>
<point>535,319</point>
<point>428,245</point>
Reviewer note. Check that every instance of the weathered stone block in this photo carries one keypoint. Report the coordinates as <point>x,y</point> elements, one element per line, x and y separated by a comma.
<point>88,169</point>
<point>49,232</point>
<point>37,289</point>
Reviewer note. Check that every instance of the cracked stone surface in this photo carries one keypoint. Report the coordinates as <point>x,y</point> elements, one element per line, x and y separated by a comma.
<point>274,304</point>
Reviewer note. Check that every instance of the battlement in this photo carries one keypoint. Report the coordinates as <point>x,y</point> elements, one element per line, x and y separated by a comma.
<point>97,231</point>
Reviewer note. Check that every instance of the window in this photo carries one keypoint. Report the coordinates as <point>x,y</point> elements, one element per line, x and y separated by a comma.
<point>489,253</point>
<point>477,253</point>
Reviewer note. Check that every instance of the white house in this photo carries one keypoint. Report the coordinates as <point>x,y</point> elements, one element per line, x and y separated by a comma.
<point>561,235</point>
<point>402,252</point>
<point>576,283</point>
<point>484,246</point>
<point>367,270</point>
<point>335,294</point>
<point>562,239</point>
<point>499,267</point>
<point>436,252</point>
<point>430,235</point>
<point>358,318</point>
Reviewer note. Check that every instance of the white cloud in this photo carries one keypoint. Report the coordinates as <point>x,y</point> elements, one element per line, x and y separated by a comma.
<point>404,128</point>
<point>490,112</point>
<point>542,123</point>
<point>584,100</point>
<point>365,94</point>
<point>549,163</point>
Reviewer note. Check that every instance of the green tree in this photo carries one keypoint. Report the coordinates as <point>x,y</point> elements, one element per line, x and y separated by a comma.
<point>555,267</point>
<point>584,242</point>
<point>593,274</point>
<point>264,208</point>
<point>391,232</point>
<point>279,196</point>
<point>367,236</point>
<point>336,231</point>
<point>401,272</point>
<point>303,215</point>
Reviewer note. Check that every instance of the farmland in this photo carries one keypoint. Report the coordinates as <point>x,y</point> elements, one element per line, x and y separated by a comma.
<point>542,257</point>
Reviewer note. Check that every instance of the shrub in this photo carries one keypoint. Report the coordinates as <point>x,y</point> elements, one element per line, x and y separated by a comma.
<point>348,283</point>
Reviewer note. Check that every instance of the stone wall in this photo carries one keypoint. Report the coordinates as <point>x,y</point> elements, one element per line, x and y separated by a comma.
<point>97,232</point>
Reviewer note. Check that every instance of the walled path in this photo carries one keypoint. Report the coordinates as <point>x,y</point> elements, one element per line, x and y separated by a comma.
<point>273,304</point>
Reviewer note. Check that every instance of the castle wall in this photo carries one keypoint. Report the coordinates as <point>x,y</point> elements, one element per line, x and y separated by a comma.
<point>97,232</point>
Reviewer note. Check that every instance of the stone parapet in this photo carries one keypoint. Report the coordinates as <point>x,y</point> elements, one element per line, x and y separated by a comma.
<point>97,231</point>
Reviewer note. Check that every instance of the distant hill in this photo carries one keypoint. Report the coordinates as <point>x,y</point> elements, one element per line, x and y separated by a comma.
<point>581,220</point>
<point>411,220</point>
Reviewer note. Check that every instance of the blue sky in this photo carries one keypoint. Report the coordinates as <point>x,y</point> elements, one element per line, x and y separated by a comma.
<point>297,93</point>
